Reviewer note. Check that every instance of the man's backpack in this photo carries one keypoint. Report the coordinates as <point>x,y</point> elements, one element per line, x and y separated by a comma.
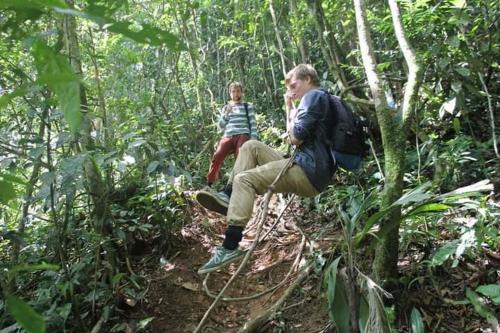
<point>347,137</point>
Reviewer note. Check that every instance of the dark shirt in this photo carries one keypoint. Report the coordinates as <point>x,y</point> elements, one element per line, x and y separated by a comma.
<point>313,155</point>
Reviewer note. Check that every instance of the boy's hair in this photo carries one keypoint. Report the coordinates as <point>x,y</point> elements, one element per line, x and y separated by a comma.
<point>235,84</point>
<point>302,72</point>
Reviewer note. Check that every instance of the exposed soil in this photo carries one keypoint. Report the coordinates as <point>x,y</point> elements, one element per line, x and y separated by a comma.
<point>177,299</point>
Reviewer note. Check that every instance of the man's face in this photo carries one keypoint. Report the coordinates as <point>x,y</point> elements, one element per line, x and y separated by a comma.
<point>235,94</point>
<point>297,88</point>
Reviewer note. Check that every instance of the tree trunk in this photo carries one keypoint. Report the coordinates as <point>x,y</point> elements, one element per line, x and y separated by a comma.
<point>97,189</point>
<point>332,52</point>
<point>301,44</point>
<point>393,141</point>
<point>278,38</point>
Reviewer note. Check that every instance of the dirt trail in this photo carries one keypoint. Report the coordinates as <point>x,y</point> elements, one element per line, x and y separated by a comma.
<point>178,300</point>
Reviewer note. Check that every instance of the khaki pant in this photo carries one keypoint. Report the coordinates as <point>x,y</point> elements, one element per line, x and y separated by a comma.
<point>255,169</point>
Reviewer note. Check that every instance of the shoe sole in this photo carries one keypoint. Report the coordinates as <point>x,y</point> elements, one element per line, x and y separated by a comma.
<point>210,202</point>
<point>209,270</point>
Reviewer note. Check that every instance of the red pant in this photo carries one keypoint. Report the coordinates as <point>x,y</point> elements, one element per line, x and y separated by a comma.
<point>227,145</point>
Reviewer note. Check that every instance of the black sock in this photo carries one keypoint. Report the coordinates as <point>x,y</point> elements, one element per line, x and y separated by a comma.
<point>209,184</point>
<point>228,189</point>
<point>234,234</point>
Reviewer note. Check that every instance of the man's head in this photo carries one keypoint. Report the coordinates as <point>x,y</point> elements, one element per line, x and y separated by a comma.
<point>300,80</point>
<point>235,91</point>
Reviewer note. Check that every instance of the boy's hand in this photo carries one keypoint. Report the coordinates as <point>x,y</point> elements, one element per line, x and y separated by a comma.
<point>228,109</point>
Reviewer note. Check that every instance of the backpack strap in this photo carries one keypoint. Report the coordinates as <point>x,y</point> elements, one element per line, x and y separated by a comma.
<point>248,119</point>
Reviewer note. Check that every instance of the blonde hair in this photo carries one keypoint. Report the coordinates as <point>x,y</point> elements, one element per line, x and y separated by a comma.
<point>302,72</point>
<point>235,84</point>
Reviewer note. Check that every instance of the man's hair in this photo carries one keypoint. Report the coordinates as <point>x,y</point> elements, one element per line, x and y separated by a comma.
<point>235,84</point>
<point>302,72</point>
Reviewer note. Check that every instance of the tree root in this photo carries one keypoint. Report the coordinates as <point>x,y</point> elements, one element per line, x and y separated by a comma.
<point>262,293</point>
<point>255,324</point>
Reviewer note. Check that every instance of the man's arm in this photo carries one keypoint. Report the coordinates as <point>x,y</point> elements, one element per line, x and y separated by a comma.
<point>311,112</point>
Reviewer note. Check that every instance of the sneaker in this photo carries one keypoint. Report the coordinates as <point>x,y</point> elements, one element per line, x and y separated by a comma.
<point>216,202</point>
<point>220,258</point>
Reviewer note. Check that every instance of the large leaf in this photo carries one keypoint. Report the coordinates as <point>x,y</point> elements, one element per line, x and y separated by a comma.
<point>481,186</point>
<point>32,4</point>
<point>444,253</point>
<point>7,191</point>
<point>337,299</point>
<point>55,71</point>
<point>417,323</point>
<point>492,291</point>
<point>25,316</point>
<point>147,34</point>
<point>367,203</point>
<point>417,194</point>
<point>480,308</point>
<point>370,222</point>
<point>427,208</point>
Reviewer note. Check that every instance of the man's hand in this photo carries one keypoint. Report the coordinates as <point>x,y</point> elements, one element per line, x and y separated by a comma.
<point>288,97</point>
<point>291,113</point>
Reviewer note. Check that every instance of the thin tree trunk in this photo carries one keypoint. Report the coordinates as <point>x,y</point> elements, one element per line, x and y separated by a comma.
<point>393,141</point>
<point>301,43</point>
<point>97,188</point>
<point>414,69</point>
<point>278,38</point>
<point>192,57</point>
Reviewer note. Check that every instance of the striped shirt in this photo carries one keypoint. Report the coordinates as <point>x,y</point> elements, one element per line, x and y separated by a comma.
<point>237,122</point>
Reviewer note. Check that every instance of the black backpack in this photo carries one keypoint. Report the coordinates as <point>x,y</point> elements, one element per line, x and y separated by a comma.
<point>347,138</point>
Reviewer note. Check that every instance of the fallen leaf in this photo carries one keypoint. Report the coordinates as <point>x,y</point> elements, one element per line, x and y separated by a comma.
<point>191,286</point>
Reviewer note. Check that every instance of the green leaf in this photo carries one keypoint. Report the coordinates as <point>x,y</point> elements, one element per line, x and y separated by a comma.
<point>7,191</point>
<point>21,91</point>
<point>364,313</point>
<point>367,203</point>
<point>143,323</point>
<point>25,316</point>
<point>55,71</point>
<point>491,291</point>
<point>428,208</point>
<point>417,323</point>
<point>152,166</point>
<point>370,222</point>
<point>341,312</point>
<point>32,4</point>
<point>12,178</point>
<point>480,308</point>
<point>444,253</point>
<point>459,3</point>
<point>337,299</point>
<point>418,194</point>
<point>481,186</point>
<point>465,72</point>
<point>147,35</point>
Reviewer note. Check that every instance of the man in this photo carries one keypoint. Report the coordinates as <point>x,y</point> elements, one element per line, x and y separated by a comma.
<point>237,120</point>
<point>258,165</point>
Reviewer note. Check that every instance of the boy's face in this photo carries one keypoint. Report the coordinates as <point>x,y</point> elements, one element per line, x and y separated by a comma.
<point>235,94</point>
<point>297,88</point>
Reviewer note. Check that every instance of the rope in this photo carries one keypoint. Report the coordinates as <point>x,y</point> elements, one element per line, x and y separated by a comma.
<point>260,224</point>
